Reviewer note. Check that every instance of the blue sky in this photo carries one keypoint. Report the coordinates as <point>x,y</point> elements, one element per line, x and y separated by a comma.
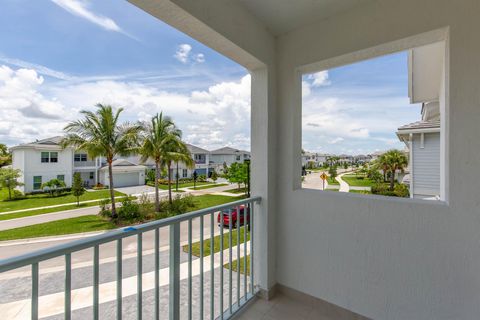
<point>356,109</point>
<point>58,57</point>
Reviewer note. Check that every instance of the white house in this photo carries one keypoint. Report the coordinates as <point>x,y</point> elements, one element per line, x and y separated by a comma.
<point>227,155</point>
<point>43,160</point>
<point>423,138</point>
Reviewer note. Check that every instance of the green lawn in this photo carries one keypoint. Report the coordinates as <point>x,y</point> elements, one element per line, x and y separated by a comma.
<point>235,265</point>
<point>211,186</point>
<point>236,190</point>
<point>91,222</point>
<point>216,243</point>
<point>40,200</point>
<point>60,227</point>
<point>180,185</point>
<point>355,181</point>
<point>333,182</point>
<point>29,213</point>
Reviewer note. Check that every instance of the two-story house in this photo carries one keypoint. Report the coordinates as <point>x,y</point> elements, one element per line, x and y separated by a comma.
<point>227,156</point>
<point>43,160</point>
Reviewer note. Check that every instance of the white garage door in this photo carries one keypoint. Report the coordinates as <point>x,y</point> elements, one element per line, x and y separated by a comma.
<point>125,179</point>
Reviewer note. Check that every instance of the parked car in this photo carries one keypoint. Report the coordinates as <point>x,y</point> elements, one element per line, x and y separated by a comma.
<point>225,216</point>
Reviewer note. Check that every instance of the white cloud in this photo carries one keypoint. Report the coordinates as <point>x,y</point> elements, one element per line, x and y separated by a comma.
<point>185,55</point>
<point>200,58</point>
<point>38,68</point>
<point>80,9</point>
<point>319,79</point>
<point>336,140</point>
<point>306,90</point>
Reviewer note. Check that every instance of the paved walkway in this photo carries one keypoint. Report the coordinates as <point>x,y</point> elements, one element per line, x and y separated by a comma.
<point>344,187</point>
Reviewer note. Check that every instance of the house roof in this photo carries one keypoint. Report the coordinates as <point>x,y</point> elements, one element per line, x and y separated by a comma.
<point>195,149</point>
<point>228,150</point>
<point>48,142</point>
<point>124,165</point>
<point>420,125</point>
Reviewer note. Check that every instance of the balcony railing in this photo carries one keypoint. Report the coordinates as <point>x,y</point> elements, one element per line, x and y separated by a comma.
<point>81,164</point>
<point>224,299</point>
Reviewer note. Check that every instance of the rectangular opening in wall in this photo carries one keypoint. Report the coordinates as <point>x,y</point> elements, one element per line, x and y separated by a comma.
<point>377,126</point>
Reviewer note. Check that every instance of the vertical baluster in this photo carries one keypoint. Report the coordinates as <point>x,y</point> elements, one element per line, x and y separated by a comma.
<point>212,266</point>
<point>68,286</point>
<point>35,291</point>
<point>190,269</point>
<point>174,287</point>
<point>252,217</point>
<point>201,267</point>
<point>246,223</point>
<point>157,274</point>
<point>139,276</point>
<point>119,279</point>
<point>96,278</point>
<point>221,265</point>
<point>239,215</point>
<point>230,260</point>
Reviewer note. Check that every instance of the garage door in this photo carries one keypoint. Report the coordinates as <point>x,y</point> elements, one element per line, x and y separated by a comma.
<point>125,179</point>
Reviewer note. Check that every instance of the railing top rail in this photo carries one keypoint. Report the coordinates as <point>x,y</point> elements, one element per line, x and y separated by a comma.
<point>59,250</point>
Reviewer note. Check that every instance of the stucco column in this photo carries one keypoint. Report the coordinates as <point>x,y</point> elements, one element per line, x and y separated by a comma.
<point>263,177</point>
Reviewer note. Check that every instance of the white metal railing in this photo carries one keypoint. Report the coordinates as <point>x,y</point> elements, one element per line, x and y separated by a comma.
<point>81,164</point>
<point>218,308</point>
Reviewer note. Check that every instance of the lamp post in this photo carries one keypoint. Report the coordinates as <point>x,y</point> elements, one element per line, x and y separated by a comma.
<point>247,161</point>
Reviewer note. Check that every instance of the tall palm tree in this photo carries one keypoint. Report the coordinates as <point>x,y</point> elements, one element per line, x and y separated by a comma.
<point>100,134</point>
<point>156,137</point>
<point>175,151</point>
<point>393,161</point>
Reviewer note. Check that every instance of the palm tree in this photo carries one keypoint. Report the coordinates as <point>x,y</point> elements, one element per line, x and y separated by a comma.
<point>100,134</point>
<point>175,151</point>
<point>157,135</point>
<point>392,161</point>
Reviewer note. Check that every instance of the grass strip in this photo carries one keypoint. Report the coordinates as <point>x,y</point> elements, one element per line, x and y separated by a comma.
<point>216,243</point>
<point>210,186</point>
<point>59,227</point>
<point>242,263</point>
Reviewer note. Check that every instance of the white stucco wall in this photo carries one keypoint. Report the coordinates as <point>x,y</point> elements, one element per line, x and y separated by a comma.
<point>29,161</point>
<point>385,258</point>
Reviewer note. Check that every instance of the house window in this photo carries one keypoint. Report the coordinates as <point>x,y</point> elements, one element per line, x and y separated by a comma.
<point>80,157</point>
<point>53,156</point>
<point>92,175</point>
<point>37,182</point>
<point>45,157</point>
<point>238,158</point>
<point>61,177</point>
<point>184,173</point>
<point>49,157</point>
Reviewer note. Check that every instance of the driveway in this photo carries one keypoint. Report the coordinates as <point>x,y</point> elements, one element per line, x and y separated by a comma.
<point>138,190</point>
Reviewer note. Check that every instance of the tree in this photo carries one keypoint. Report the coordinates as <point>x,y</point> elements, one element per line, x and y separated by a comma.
<point>5,156</point>
<point>77,187</point>
<point>175,151</point>
<point>100,134</point>
<point>393,161</point>
<point>345,165</point>
<point>8,179</point>
<point>156,135</point>
<point>238,173</point>
<point>332,172</point>
<point>195,177</point>
<point>53,187</point>
<point>214,176</point>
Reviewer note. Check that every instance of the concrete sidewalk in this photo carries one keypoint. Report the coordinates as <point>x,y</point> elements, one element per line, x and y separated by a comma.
<point>344,187</point>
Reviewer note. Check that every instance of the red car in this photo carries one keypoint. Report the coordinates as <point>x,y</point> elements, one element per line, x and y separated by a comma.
<point>225,215</point>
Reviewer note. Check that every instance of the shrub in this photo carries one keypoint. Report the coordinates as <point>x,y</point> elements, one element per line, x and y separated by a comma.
<point>99,186</point>
<point>129,211</point>
<point>17,195</point>
<point>180,204</point>
<point>105,209</point>
<point>383,190</point>
<point>146,207</point>
<point>202,178</point>
<point>401,190</point>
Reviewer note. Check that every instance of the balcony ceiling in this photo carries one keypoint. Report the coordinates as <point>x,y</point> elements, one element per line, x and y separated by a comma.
<point>282,16</point>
